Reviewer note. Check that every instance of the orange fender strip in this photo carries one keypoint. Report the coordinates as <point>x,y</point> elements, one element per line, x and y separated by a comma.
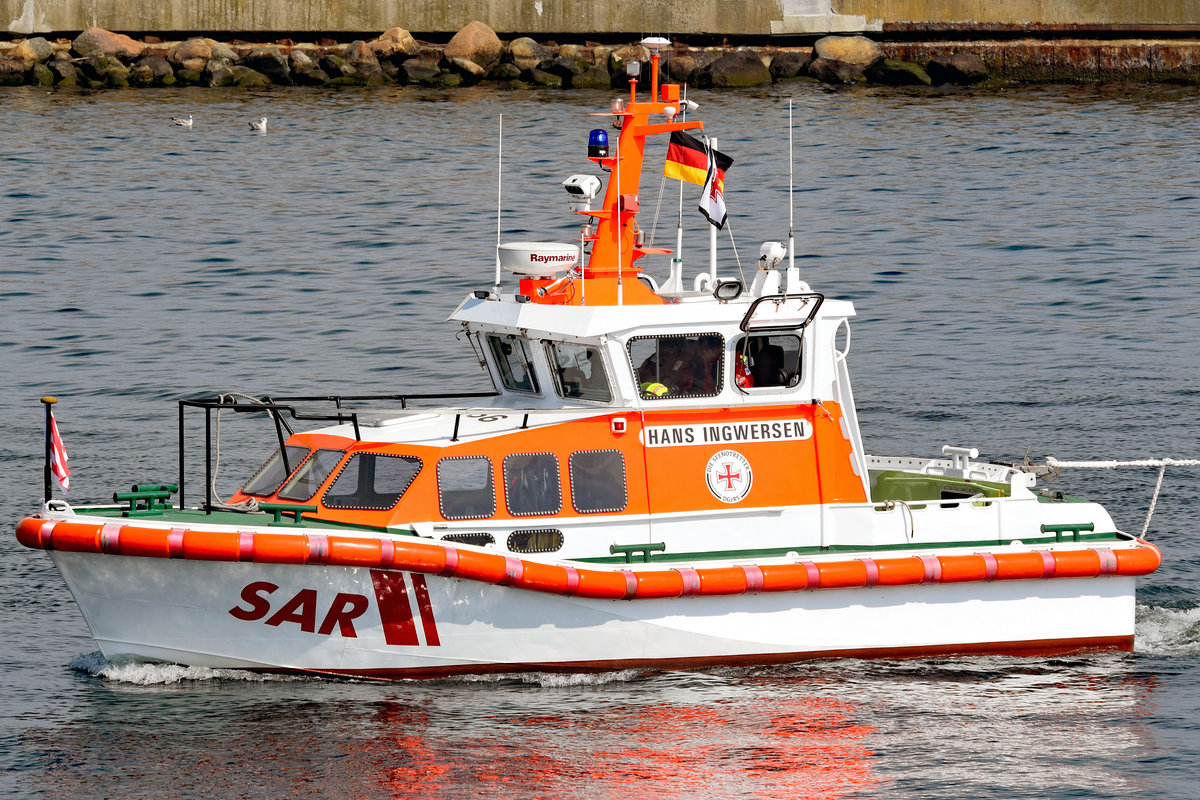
<point>115,538</point>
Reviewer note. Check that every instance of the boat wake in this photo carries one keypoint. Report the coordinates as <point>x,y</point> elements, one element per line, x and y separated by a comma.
<point>158,674</point>
<point>1167,631</point>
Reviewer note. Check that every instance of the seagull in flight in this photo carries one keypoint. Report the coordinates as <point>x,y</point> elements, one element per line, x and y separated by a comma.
<point>183,122</point>
<point>260,125</point>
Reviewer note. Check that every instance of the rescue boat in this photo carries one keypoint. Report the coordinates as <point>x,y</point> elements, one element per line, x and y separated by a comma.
<point>662,476</point>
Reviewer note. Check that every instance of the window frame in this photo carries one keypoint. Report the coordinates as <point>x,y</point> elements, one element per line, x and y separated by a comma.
<point>295,465</point>
<point>557,485</point>
<point>556,372</point>
<point>742,345</point>
<point>504,368</point>
<point>296,474</point>
<point>420,463</point>
<point>573,483</point>
<point>491,485</point>
<point>675,394</point>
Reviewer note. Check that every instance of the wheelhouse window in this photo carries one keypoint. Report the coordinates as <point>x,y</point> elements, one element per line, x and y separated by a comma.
<point>689,365</point>
<point>465,487</point>
<point>578,371</point>
<point>270,476</point>
<point>768,360</point>
<point>540,540</point>
<point>304,484</point>
<point>598,481</point>
<point>511,355</point>
<point>531,484</point>
<point>373,481</point>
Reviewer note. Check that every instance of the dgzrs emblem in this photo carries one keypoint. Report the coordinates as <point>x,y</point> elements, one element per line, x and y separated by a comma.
<point>729,476</point>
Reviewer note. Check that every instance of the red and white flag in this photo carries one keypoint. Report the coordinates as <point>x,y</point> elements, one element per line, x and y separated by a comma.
<point>58,457</point>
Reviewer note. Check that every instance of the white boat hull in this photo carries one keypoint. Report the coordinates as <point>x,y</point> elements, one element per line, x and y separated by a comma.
<point>387,623</point>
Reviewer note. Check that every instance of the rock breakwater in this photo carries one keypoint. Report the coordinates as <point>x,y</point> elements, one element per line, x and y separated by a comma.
<point>98,59</point>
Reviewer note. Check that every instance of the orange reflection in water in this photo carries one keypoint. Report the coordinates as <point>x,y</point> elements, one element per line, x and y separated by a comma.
<point>789,747</point>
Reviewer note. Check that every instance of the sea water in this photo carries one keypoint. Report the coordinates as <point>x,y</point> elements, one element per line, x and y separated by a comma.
<point>1025,268</point>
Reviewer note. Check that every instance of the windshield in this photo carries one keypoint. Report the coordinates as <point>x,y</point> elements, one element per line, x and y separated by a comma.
<point>311,475</point>
<point>270,476</point>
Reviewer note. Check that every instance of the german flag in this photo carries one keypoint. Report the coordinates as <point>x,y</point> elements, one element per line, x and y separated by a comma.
<point>687,159</point>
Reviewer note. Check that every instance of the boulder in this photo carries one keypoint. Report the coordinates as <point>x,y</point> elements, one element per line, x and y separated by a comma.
<point>508,71</point>
<point>396,44</point>
<point>97,41</point>
<point>305,70</point>
<point>898,73</point>
<point>189,77</point>
<point>738,68</point>
<point>470,70</point>
<point>418,70</point>
<point>248,78</point>
<point>680,67</point>
<point>540,77</point>
<point>358,53</point>
<point>64,73</point>
<point>617,58</point>
<point>35,49</point>
<point>476,42</point>
<point>446,80</point>
<point>960,68</point>
<point>564,67</point>
<point>336,67</point>
<point>221,50</point>
<point>160,67</point>
<point>700,78</point>
<point>40,75</point>
<point>828,70</point>
<point>857,50</point>
<point>141,76</point>
<point>192,54</point>
<point>269,61</point>
<point>372,74</point>
<point>595,77</point>
<point>219,72</point>
<point>789,64</point>
<point>527,54</point>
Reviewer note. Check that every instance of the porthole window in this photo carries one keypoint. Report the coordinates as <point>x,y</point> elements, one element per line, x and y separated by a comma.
<point>669,367</point>
<point>271,475</point>
<point>598,481</point>
<point>480,539</point>
<point>511,355</point>
<point>531,484</point>
<point>538,540</point>
<point>372,481</point>
<point>308,479</point>
<point>465,487</point>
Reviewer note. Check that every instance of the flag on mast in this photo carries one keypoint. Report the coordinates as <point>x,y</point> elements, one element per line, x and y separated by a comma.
<point>687,159</point>
<point>58,457</point>
<point>712,199</point>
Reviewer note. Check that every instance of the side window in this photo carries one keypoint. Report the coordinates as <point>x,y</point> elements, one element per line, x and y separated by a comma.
<point>768,360</point>
<point>372,481</point>
<point>512,359</point>
<point>678,366</point>
<point>531,484</point>
<point>270,476</point>
<point>598,481</point>
<point>578,371</point>
<point>539,540</point>
<point>310,476</point>
<point>465,487</point>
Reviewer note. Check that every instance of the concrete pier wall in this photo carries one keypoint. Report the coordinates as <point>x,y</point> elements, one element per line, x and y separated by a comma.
<point>596,17</point>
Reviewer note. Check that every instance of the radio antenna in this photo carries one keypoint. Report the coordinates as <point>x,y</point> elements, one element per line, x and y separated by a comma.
<point>791,200</point>
<point>499,196</point>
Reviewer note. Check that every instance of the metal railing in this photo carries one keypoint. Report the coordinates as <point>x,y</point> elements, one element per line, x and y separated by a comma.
<point>277,408</point>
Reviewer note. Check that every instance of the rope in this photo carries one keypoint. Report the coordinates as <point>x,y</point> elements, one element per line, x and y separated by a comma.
<point>245,506</point>
<point>1161,463</point>
<point>1051,461</point>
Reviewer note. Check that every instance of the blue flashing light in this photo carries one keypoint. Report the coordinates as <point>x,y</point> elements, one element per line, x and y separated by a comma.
<point>598,143</point>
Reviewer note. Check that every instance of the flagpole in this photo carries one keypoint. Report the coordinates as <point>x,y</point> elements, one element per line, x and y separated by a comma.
<point>712,229</point>
<point>48,402</point>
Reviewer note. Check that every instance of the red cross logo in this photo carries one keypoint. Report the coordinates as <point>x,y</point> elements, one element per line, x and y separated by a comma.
<point>729,477</point>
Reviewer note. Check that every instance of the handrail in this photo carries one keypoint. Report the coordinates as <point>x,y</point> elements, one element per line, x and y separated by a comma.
<point>277,408</point>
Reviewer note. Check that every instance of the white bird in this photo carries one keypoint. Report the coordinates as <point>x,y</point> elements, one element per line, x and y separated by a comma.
<point>183,122</point>
<point>260,126</point>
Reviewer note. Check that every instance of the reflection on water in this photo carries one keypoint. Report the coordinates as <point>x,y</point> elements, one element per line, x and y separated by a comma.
<point>980,727</point>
